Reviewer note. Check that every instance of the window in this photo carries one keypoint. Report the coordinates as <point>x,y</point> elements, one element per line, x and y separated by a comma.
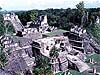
<point>47,48</point>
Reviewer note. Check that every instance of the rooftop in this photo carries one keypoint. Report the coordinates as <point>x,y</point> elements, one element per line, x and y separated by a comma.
<point>56,32</point>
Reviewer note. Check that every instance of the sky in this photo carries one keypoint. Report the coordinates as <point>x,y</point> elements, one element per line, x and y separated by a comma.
<point>44,4</point>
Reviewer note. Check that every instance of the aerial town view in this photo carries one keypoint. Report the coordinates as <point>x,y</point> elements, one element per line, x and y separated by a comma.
<point>49,37</point>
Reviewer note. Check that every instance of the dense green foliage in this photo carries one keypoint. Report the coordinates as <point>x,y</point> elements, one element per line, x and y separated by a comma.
<point>54,52</point>
<point>82,12</point>
<point>3,58</point>
<point>61,17</point>
<point>94,29</point>
<point>2,27</point>
<point>8,28</point>
<point>42,66</point>
<point>26,16</point>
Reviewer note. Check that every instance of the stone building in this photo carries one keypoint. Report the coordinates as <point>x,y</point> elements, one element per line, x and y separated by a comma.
<point>3,72</point>
<point>46,44</point>
<point>13,18</point>
<point>59,64</point>
<point>82,41</point>
<point>39,38</point>
<point>18,52</point>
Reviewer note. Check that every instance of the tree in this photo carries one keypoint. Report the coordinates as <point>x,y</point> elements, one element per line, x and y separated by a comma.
<point>9,28</point>
<point>54,52</point>
<point>2,27</point>
<point>81,10</point>
<point>96,32</point>
<point>24,16</point>
<point>33,14</point>
<point>3,58</point>
<point>42,66</point>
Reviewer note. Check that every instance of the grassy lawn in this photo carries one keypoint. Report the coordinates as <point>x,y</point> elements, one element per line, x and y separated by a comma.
<point>96,58</point>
